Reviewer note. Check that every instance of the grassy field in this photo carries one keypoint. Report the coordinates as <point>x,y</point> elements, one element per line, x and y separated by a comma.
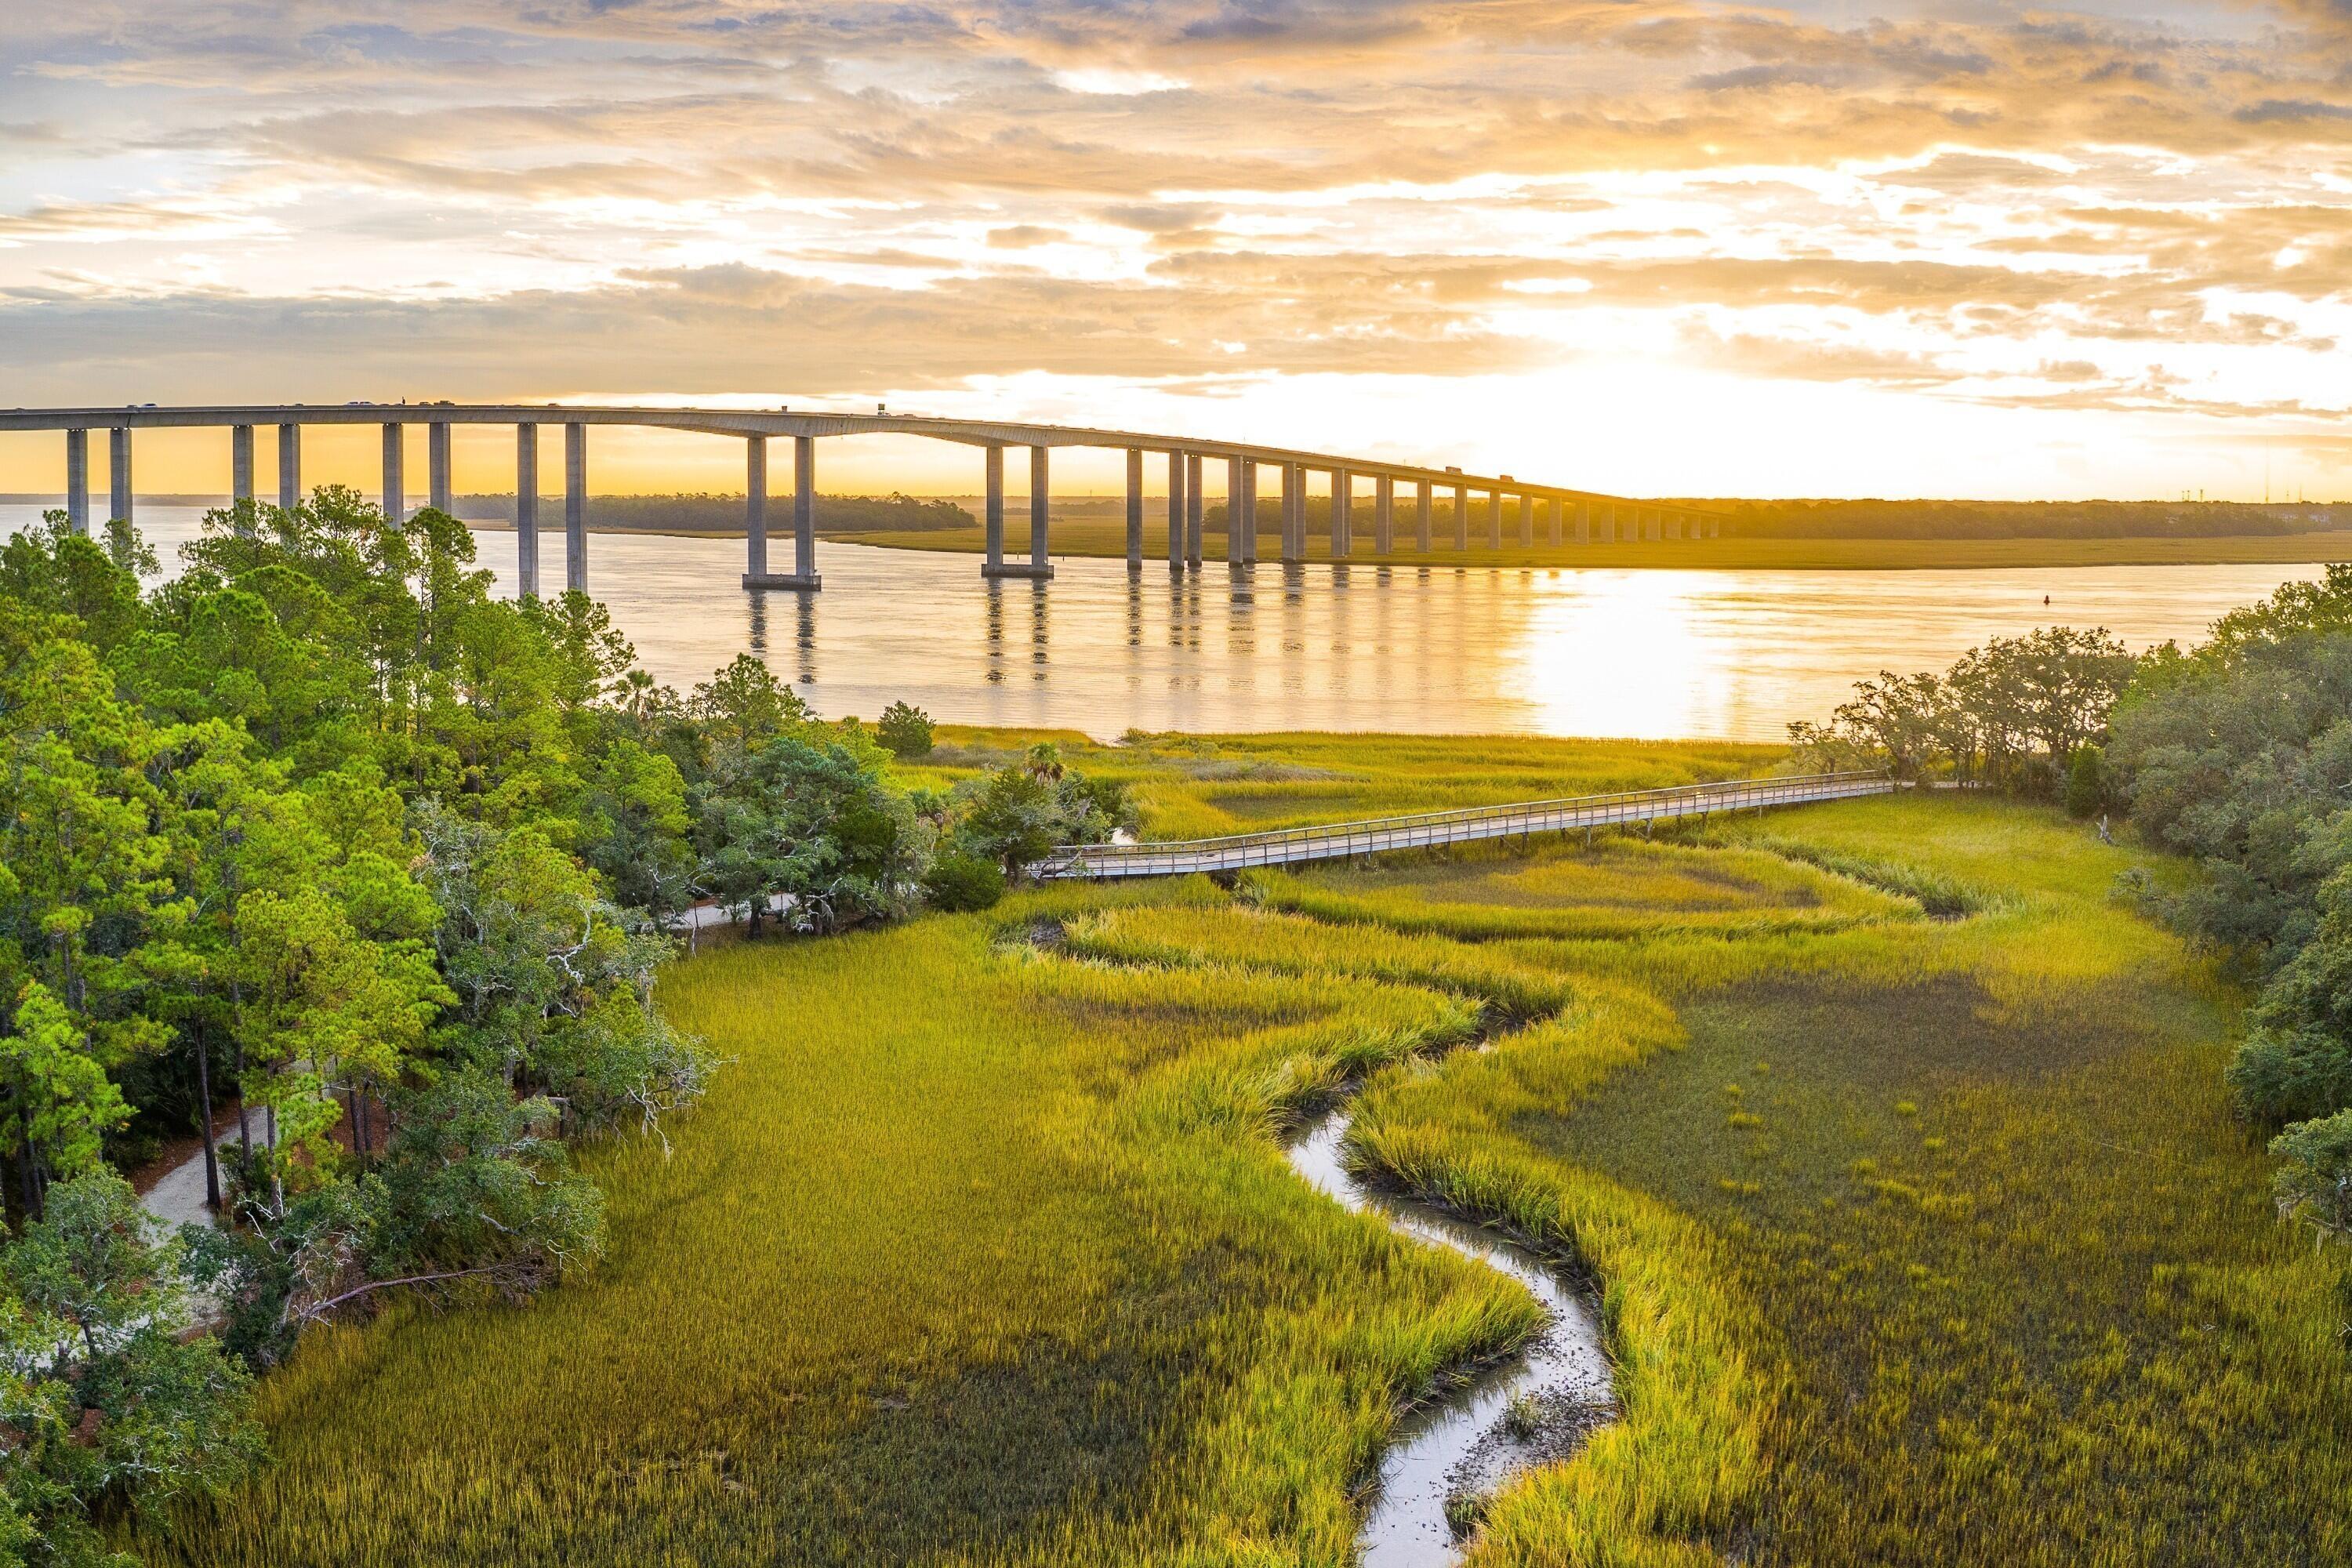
<point>1104,538</point>
<point>1919,1240</point>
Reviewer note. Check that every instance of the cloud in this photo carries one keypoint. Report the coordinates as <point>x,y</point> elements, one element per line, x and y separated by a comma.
<point>516,195</point>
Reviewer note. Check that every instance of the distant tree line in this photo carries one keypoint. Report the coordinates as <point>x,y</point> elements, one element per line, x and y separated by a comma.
<point>704,512</point>
<point>322,833</point>
<point>2236,754</point>
<point>2024,519</point>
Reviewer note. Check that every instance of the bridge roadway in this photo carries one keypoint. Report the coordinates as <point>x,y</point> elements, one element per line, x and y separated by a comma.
<point>1339,841</point>
<point>1580,516</point>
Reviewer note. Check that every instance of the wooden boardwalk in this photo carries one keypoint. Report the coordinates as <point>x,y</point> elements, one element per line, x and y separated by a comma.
<point>1341,840</point>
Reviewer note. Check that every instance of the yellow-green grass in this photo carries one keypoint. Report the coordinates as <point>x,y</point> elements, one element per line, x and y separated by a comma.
<point>1100,537</point>
<point>1918,1240</point>
<point>1960,1206</point>
<point>1202,786</point>
<point>978,1253</point>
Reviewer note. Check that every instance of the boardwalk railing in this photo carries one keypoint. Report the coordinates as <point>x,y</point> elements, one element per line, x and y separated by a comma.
<point>1337,841</point>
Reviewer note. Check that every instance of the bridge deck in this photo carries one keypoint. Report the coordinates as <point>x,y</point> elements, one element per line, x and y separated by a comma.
<point>1337,841</point>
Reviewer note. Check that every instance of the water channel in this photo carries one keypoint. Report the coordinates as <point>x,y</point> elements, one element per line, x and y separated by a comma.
<point>1534,1405</point>
<point>1652,654</point>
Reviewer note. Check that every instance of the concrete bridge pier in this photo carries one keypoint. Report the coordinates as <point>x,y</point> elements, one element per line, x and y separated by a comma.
<point>240,463</point>
<point>1384,513</point>
<point>395,493</point>
<point>804,514</point>
<point>1652,528</point>
<point>1495,519</point>
<point>437,467</point>
<point>290,467</point>
<point>117,462</point>
<point>1193,502</point>
<point>1135,509</point>
<point>1249,532</point>
<point>1175,513</point>
<point>1039,566</point>
<point>1462,518</point>
<point>1420,517</point>
<point>1526,522</point>
<point>1241,517</point>
<point>1553,507</point>
<point>527,508</point>
<point>575,508</point>
<point>755,515</point>
<point>1343,521</point>
<point>1674,525</point>
<point>755,511</point>
<point>78,480</point>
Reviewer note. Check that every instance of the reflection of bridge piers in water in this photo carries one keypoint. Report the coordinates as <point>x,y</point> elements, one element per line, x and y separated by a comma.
<point>1612,651</point>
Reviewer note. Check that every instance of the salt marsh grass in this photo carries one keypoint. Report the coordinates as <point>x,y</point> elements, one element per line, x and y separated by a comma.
<point>1918,1240</point>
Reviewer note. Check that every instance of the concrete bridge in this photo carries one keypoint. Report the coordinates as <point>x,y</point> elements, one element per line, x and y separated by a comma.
<point>1565,515</point>
<point>1346,840</point>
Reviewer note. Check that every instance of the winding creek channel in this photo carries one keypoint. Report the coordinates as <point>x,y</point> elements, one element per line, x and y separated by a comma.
<point>1534,1405</point>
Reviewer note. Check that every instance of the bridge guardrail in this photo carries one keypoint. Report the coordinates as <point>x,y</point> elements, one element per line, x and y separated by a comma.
<point>1333,841</point>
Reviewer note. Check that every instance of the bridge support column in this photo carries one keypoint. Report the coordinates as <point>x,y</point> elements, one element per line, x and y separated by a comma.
<point>755,516</point>
<point>1041,497</point>
<point>1527,521</point>
<point>1714,528</point>
<point>1343,521</point>
<point>1493,520</point>
<point>992,512</point>
<point>1553,507</point>
<point>1384,513</point>
<point>1247,467</point>
<point>1674,525</point>
<point>1420,517</point>
<point>755,511</point>
<point>240,463</point>
<point>1134,508</point>
<point>527,510</point>
<point>437,467</point>
<point>117,462</point>
<point>1290,554</point>
<point>78,480</point>
<point>1233,526</point>
<point>575,508</point>
<point>396,493</point>
<point>1175,513</point>
<point>1462,518</point>
<point>1192,507</point>
<point>1652,528</point>
<point>805,514</point>
<point>1583,522</point>
<point>290,467</point>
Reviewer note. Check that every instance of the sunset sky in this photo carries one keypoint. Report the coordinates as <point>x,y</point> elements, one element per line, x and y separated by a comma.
<point>1834,249</point>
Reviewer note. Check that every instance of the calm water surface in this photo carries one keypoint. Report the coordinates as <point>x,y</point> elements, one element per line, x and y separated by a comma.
<point>1646,654</point>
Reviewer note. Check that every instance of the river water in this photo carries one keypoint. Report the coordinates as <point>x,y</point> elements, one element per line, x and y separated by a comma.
<point>1441,648</point>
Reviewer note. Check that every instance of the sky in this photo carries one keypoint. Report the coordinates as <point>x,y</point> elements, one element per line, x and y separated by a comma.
<point>1842,248</point>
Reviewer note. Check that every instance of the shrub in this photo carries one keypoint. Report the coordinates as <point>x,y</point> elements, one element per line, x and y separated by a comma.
<point>2086,781</point>
<point>906,730</point>
<point>958,881</point>
<point>2315,1182</point>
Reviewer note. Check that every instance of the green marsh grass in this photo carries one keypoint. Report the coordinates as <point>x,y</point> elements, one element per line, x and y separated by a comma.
<point>1918,1240</point>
